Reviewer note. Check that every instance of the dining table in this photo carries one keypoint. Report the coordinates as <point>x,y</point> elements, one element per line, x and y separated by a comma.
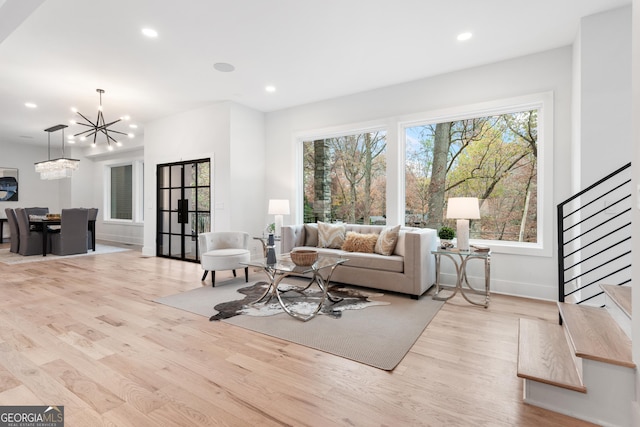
<point>45,223</point>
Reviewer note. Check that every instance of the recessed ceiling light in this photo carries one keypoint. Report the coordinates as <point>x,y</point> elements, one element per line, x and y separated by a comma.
<point>270,88</point>
<point>224,67</point>
<point>30,105</point>
<point>133,126</point>
<point>464,36</point>
<point>150,32</point>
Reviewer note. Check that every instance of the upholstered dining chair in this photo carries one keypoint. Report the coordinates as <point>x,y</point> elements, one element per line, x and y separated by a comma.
<point>224,250</point>
<point>72,238</point>
<point>30,240</point>
<point>13,229</point>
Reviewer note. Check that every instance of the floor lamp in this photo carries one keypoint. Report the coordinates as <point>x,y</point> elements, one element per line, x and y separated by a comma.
<point>278,207</point>
<point>463,209</point>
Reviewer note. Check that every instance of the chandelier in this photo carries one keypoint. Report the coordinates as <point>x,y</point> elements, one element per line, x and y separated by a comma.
<point>100,126</point>
<point>56,168</point>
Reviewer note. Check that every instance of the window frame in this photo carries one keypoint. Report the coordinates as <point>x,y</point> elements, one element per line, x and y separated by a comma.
<point>543,102</point>
<point>396,158</point>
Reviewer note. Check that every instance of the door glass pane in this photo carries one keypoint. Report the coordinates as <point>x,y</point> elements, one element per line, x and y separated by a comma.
<point>164,222</point>
<point>175,225</point>
<point>176,176</point>
<point>163,177</point>
<point>163,200</point>
<point>204,222</point>
<point>203,174</point>
<point>190,175</point>
<point>204,199</point>
<point>190,249</point>
<point>164,245</point>
<point>190,226</point>
<point>175,196</point>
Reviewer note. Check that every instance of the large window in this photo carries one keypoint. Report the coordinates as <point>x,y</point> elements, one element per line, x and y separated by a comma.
<point>499,151</point>
<point>345,178</point>
<point>124,190</point>
<point>491,157</point>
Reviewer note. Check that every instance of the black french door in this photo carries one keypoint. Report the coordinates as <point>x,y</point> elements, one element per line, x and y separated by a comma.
<point>184,208</point>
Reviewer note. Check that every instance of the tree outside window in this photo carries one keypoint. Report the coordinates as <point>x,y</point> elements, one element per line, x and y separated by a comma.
<point>345,178</point>
<point>493,158</point>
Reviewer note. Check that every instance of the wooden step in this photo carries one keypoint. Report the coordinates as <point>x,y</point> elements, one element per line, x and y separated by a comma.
<point>595,335</point>
<point>621,295</point>
<point>544,355</point>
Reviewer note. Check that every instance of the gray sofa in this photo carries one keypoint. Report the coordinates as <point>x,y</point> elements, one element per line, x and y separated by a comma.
<point>409,270</point>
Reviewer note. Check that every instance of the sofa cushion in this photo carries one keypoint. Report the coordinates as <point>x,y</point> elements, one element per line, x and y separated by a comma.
<point>399,250</point>
<point>392,263</point>
<point>387,240</point>
<point>311,234</point>
<point>357,242</point>
<point>330,235</point>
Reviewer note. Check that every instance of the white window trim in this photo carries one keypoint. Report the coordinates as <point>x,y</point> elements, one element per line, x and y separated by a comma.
<point>396,160</point>
<point>545,208</point>
<point>137,176</point>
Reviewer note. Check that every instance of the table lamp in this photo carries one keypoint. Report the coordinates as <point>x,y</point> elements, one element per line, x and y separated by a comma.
<point>278,207</point>
<point>463,209</point>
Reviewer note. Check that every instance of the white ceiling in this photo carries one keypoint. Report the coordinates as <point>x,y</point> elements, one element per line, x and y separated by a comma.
<point>56,53</point>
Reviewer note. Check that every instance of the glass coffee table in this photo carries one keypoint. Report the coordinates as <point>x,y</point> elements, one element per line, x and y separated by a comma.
<point>284,267</point>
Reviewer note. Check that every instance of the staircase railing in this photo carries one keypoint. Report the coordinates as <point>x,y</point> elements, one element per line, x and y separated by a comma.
<point>594,239</point>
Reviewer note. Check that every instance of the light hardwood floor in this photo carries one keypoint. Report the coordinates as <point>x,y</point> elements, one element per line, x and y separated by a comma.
<point>85,333</point>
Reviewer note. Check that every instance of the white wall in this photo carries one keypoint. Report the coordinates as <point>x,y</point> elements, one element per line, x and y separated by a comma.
<point>231,135</point>
<point>547,71</point>
<point>603,76</point>
<point>32,191</point>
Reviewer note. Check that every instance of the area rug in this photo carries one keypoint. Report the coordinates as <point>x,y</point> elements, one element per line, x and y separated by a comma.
<point>378,336</point>
<point>343,299</point>
<point>10,258</point>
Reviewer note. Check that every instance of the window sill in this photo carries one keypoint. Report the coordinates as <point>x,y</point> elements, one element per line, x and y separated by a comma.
<point>514,248</point>
<point>123,222</point>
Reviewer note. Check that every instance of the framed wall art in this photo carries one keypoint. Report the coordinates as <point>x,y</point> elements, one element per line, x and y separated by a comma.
<point>8,184</point>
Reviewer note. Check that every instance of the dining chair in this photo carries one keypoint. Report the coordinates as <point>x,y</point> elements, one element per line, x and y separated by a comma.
<point>13,229</point>
<point>72,238</point>
<point>91,238</point>
<point>30,240</point>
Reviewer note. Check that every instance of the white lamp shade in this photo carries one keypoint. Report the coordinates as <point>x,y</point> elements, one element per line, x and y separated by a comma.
<point>463,208</point>
<point>278,207</point>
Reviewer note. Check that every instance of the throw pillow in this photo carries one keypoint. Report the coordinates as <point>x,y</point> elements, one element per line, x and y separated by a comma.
<point>387,240</point>
<point>357,242</point>
<point>330,235</point>
<point>311,234</point>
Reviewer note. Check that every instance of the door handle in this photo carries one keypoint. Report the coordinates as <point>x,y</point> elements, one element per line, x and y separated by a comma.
<point>185,211</point>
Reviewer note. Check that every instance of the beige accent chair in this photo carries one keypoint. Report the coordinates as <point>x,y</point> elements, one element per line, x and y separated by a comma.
<point>224,250</point>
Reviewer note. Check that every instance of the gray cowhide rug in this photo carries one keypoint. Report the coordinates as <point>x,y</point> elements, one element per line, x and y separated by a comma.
<point>349,299</point>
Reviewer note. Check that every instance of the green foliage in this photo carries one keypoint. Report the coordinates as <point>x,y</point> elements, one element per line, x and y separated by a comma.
<point>446,233</point>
